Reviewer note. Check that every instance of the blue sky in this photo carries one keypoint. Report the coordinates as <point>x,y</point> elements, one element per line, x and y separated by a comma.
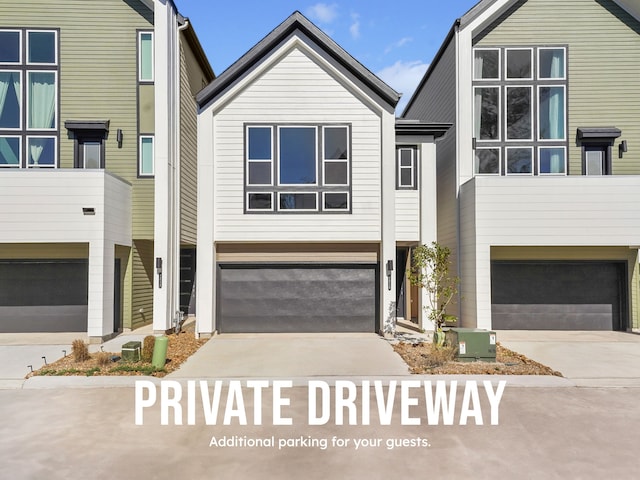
<point>395,40</point>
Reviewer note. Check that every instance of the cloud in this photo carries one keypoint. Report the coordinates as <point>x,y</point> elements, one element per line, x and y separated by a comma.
<point>403,77</point>
<point>354,29</point>
<point>322,12</point>
<point>398,44</point>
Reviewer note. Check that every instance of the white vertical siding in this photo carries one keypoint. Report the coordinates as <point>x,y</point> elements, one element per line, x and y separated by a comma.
<point>297,89</point>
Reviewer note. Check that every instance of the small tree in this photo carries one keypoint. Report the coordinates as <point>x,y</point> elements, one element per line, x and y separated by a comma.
<point>430,270</point>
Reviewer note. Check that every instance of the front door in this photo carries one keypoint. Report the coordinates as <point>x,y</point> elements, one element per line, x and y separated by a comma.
<point>596,161</point>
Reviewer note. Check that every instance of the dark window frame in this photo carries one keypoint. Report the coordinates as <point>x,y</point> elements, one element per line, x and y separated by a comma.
<point>415,161</point>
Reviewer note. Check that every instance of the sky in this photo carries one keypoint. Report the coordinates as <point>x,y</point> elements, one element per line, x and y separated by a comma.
<point>396,40</point>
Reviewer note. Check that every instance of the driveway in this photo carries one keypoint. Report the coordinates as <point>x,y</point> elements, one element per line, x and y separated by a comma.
<point>598,359</point>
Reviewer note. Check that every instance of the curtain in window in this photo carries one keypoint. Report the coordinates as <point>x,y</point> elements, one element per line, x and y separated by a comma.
<point>6,81</point>
<point>36,146</point>
<point>42,100</point>
<point>556,162</point>
<point>7,153</point>
<point>552,113</point>
<point>477,113</point>
<point>557,62</point>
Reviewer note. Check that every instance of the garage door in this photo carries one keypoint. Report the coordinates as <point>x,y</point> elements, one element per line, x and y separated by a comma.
<point>43,296</point>
<point>558,295</point>
<point>297,298</point>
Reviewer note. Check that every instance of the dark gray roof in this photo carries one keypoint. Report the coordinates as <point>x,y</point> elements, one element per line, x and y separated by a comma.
<point>296,23</point>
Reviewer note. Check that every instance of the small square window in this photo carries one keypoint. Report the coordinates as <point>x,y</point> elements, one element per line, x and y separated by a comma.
<point>41,47</point>
<point>336,173</point>
<point>486,64</point>
<point>41,152</point>
<point>487,161</point>
<point>259,143</point>
<point>336,201</point>
<point>551,63</point>
<point>260,201</point>
<point>552,161</point>
<point>298,201</point>
<point>520,161</point>
<point>259,173</point>
<point>9,46</point>
<point>146,156</point>
<point>9,151</point>
<point>335,143</point>
<point>519,64</point>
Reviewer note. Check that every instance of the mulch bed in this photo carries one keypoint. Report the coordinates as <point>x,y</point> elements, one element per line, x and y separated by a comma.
<point>425,358</point>
<point>180,347</point>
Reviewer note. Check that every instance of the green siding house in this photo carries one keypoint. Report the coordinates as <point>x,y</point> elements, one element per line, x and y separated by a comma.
<point>97,155</point>
<point>539,177</point>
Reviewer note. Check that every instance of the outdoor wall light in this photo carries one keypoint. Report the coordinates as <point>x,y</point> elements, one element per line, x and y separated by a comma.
<point>159,271</point>
<point>389,272</point>
<point>622,148</point>
<point>88,211</point>
<point>119,137</point>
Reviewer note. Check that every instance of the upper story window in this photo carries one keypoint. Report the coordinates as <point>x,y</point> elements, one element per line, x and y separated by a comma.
<point>297,168</point>
<point>519,111</point>
<point>407,168</point>
<point>28,98</point>
<point>145,56</point>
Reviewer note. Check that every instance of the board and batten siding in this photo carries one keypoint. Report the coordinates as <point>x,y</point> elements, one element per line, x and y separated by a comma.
<point>603,65</point>
<point>296,90</point>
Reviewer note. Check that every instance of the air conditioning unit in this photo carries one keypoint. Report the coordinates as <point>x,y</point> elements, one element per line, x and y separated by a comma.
<point>472,344</point>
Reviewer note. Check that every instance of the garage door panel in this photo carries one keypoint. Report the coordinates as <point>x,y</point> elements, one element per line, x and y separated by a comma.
<point>558,295</point>
<point>304,298</point>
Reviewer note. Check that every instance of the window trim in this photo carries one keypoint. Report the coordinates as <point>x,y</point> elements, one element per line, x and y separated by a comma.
<point>499,172</point>
<point>153,60</point>
<point>546,79</point>
<point>141,174</point>
<point>21,51</point>
<point>506,161</point>
<point>248,161</point>
<point>549,147</point>
<point>259,210</point>
<point>473,64</point>
<point>506,60</point>
<point>413,167</point>
<point>325,160</point>
<point>298,192</point>
<point>56,61</point>
<point>55,151</point>
<point>347,209</point>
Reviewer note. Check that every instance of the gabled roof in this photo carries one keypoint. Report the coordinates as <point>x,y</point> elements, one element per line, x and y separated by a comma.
<point>296,23</point>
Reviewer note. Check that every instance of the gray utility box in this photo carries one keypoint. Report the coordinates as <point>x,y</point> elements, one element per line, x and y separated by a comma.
<point>131,351</point>
<point>472,344</point>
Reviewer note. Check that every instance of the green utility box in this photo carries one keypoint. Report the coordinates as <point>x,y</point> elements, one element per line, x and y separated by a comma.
<point>472,344</point>
<point>131,351</point>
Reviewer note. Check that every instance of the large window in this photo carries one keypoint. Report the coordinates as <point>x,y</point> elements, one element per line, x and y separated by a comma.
<point>28,98</point>
<point>520,104</point>
<point>297,168</point>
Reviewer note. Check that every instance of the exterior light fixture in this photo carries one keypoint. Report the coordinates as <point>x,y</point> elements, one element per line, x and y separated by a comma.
<point>622,148</point>
<point>119,137</point>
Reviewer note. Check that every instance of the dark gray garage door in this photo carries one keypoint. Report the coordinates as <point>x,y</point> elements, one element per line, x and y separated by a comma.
<point>43,296</point>
<point>558,295</point>
<point>297,298</point>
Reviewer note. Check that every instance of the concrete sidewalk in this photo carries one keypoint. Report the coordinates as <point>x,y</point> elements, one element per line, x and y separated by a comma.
<point>588,359</point>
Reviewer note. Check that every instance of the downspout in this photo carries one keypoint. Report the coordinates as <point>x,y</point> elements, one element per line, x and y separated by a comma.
<point>456,30</point>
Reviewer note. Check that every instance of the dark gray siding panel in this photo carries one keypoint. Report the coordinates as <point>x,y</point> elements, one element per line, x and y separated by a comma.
<point>43,295</point>
<point>297,298</point>
<point>558,295</point>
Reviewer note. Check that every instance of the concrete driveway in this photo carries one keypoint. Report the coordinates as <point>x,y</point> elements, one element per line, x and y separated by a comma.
<point>588,359</point>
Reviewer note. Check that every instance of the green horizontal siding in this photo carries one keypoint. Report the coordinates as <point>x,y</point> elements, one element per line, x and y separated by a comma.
<point>603,65</point>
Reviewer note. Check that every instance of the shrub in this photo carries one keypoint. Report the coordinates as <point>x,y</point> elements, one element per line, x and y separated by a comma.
<point>103,358</point>
<point>80,350</point>
<point>147,348</point>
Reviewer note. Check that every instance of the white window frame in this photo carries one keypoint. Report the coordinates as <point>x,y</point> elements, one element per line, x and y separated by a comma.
<point>292,192</point>
<point>55,102</point>
<point>20,100</point>
<point>325,160</point>
<point>412,168</point>
<point>506,60</point>
<point>249,160</point>
<point>21,50</point>
<point>499,172</point>
<point>564,77</point>
<point>537,100</point>
<point>19,165</point>
<point>153,155</point>
<point>55,151</point>
<point>549,147</point>
<point>473,64</point>
<point>506,161</point>
<point>499,88</point>
<point>279,150</point>
<point>505,113</point>
<point>55,46</point>
<point>348,208</point>
<point>153,60</point>
<point>260,209</point>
